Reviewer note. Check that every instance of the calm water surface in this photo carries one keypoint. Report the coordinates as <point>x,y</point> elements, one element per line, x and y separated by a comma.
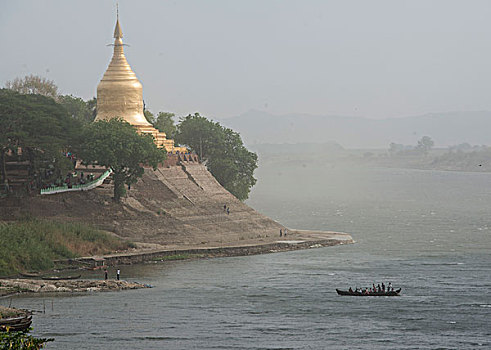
<point>425,231</point>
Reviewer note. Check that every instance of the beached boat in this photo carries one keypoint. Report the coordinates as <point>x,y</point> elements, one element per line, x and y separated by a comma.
<point>392,293</point>
<point>18,323</point>
<point>60,278</point>
<point>29,275</point>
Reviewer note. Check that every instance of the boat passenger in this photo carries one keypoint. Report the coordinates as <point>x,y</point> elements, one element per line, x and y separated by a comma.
<point>383,287</point>
<point>350,290</point>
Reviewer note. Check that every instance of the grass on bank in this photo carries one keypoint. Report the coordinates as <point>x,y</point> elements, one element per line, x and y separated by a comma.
<point>33,244</point>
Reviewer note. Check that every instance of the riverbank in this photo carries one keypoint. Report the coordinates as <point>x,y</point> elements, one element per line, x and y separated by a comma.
<point>15,286</point>
<point>32,244</point>
<point>295,240</point>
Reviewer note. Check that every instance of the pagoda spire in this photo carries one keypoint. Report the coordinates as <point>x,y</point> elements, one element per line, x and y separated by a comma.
<point>119,94</point>
<point>118,33</point>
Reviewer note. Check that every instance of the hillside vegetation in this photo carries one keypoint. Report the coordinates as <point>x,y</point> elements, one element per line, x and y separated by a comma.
<point>33,244</point>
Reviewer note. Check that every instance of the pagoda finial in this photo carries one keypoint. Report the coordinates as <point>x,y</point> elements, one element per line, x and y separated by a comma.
<point>118,33</point>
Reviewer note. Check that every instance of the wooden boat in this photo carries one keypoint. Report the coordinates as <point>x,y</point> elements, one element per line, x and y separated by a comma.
<point>18,323</point>
<point>30,275</point>
<point>392,293</point>
<point>59,278</point>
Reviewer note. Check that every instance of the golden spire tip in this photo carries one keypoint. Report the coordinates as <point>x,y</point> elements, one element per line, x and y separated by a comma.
<point>118,33</point>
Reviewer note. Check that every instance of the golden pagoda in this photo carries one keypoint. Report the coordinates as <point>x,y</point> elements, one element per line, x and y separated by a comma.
<point>120,95</point>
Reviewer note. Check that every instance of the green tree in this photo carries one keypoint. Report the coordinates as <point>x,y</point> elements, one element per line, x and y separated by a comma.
<point>117,145</point>
<point>149,116</point>
<point>77,108</point>
<point>92,106</point>
<point>34,84</point>
<point>425,144</point>
<point>395,148</point>
<point>222,151</point>
<point>165,123</point>
<point>37,125</point>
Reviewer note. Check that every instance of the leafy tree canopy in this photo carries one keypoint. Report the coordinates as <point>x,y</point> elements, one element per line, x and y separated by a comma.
<point>34,121</point>
<point>223,151</point>
<point>92,106</point>
<point>36,124</point>
<point>33,84</point>
<point>78,108</point>
<point>425,144</point>
<point>165,123</point>
<point>116,144</point>
<point>149,116</point>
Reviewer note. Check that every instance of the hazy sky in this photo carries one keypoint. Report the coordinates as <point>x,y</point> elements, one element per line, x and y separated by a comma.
<point>361,58</point>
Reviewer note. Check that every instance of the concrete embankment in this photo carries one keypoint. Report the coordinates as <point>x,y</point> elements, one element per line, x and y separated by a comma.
<point>300,239</point>
<point>10,286</point>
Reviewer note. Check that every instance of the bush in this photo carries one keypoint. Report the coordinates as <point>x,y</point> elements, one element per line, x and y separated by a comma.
<point>33,244</point>
<point>21,341</point>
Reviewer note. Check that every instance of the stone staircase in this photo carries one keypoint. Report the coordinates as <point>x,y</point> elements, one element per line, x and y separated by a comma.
<point>180,204</point>
<point>186,202</point>
<point>18,174</point>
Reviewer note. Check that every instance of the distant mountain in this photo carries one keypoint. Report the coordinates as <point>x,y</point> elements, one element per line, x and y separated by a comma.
<point>446,129</point>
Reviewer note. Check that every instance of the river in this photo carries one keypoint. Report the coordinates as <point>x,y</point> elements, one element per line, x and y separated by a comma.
<point>427,232</point>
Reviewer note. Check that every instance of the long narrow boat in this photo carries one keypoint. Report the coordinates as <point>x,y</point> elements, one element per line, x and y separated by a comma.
<point>392,293</point>
<point>30,275</point>
<point>58,278</point>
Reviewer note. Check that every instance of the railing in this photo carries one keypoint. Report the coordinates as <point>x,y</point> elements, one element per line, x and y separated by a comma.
<point>85,187</point>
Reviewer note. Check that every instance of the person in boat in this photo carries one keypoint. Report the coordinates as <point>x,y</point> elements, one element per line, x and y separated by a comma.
<point>389,287</point>
<point>350,290</point>
<point>383,287</point>
<point>379,289</point>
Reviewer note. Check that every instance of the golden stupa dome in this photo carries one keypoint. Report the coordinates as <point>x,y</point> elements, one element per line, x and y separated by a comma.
<point>120,93</point>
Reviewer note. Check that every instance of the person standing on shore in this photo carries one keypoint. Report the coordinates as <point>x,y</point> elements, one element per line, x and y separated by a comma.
<point>117,274</point>
<point>105,274</point>
<point>281,232</point>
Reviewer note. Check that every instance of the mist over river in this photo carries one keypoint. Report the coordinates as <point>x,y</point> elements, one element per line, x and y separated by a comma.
<point>428,232</point>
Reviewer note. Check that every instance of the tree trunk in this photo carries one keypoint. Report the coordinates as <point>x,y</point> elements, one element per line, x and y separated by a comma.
<point>3,167</point>
<point>119,189</point>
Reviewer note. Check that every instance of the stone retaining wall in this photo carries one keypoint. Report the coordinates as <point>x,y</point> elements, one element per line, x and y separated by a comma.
<point>134,258</point>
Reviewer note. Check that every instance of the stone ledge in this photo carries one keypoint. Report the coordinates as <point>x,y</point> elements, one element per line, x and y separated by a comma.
<point>210,252</point>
